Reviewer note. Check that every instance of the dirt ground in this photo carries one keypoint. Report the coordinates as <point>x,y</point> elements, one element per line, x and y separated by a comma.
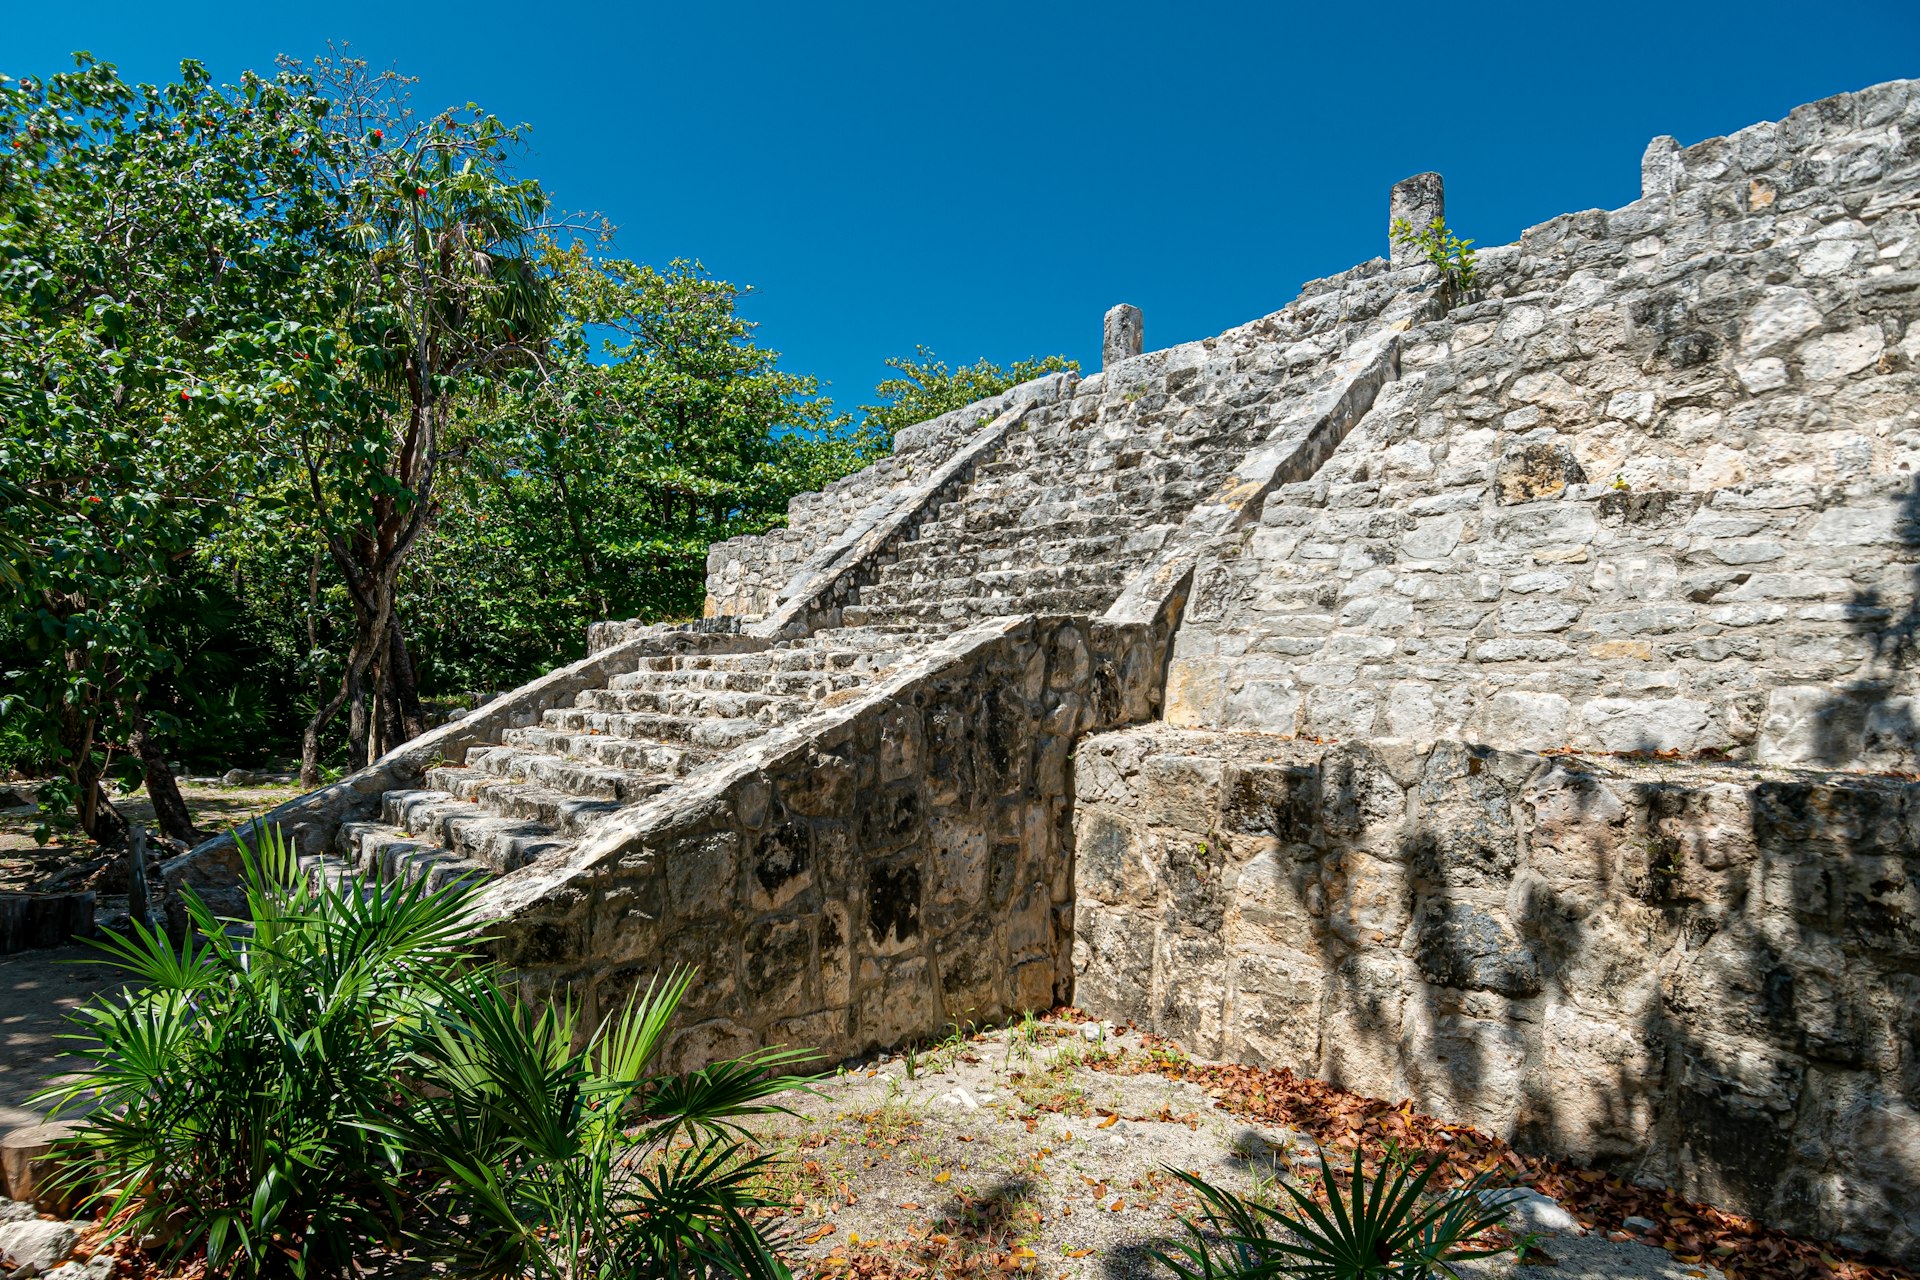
<point>39,990</point>
<point>1016,1152</point>
<point>27,866</point>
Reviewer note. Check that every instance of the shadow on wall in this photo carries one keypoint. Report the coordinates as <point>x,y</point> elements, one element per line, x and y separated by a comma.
<point>1872,720</point>
<point>1710,985</point>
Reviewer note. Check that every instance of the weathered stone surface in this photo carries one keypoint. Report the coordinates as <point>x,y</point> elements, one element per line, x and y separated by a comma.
<point>815,898</point>
<point>1419,201</point>
<point>1123,335</point>
<point>37,1245</point>
<point>1539,470</point>
<point>1653,490</point>
<point>1702,976</point>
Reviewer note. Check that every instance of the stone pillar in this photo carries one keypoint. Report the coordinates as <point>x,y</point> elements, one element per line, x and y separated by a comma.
<point>1419,199</point>
<point>1124,337</point>
<point>1660,168</point>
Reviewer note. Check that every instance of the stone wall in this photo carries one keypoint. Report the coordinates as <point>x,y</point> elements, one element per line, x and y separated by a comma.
<point>1652,490</point>
<point>882,870</point>
<point>1707,978</point>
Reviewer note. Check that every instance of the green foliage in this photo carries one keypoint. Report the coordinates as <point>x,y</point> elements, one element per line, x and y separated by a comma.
<point>342,1072</point>
<point>925,387</point>
<point>660,427</point>
<point>564,1161</point>
<point>146,238</point>
<point>1382,1227</point>
<point>1459,265</point>
<point>239,1089</point>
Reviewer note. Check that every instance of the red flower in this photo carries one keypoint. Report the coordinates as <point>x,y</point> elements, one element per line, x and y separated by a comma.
<point>378,136</point>
<point>419,193</point>
<point>185,396</point>
<point>94,498</point>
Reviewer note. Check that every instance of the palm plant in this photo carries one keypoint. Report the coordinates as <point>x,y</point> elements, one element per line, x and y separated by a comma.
<point>234,1094</point>
<point>564,1162</point>
<point>337,1070</point>
<point>1384,1229</point>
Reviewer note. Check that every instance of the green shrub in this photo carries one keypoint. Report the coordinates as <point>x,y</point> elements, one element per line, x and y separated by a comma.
<point>240,1088</point>
<point>336,1072</point>
<point>1382,1229</point>
<point>567,1162</point>
<point>1459,264</point>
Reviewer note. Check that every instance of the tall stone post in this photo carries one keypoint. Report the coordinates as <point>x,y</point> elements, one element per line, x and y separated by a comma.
<point>1123,337</point>
<point>1660,167</point>
<point>1419,199</point>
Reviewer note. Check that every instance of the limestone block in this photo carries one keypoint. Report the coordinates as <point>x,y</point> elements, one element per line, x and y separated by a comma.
<point>35,1247</point>
<point>1840,355</point>
<point>1123,335</point>
<point>895,998</point>
<point>1784,315</point>
<point>1108,858</point>
<point>1273,1015</point>
<point>1650,724</point>
<point>1523,718</point>
<point>1338,712</point>
<point>1419,201</point>
<point>1460,945</point>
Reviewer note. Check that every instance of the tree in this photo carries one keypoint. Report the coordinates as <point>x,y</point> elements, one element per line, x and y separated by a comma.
<point>145,234</point>
<point>659,427</point>
<point>926,388</point>
<point>425,299</point>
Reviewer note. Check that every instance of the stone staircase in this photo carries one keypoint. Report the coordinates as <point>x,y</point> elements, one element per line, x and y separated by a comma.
<point>1070,509</point>
<point>542,787</point>
<point>1069,495</point>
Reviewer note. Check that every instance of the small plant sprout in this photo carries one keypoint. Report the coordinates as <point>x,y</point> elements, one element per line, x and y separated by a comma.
<point>1458,264</point>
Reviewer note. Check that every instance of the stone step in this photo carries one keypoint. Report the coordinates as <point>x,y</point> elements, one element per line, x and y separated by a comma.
<point>950,564</point>
<point>1096,574</point>
<point>786,684</point>
<point>575,777</point>
<point>705,704</point>
<point>780,659</point>
<point>645,755</point>
<point>1002,534</point>
<point>1084,603</point>
<point>715,734</point>
<point>379,851</point>
<point>488,839</point>
<point>559,811</point>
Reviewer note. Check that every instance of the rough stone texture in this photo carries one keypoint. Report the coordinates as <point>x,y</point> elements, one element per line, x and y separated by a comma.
<point>1419,201</point>
<point>1122,335</point>
<point>1656,491</point>
<point>1652,489</point>
<point>744,574</point>
<point>1709,978</point>
<point>886,868</point>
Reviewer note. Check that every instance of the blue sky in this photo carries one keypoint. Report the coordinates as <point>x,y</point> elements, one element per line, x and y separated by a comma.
<point>987,179</point>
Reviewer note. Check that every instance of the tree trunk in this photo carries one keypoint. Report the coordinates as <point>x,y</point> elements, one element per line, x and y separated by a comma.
<point>103,823</point>
<point>310,740</point>
<point>169,807</point>
<point>403,685</point>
